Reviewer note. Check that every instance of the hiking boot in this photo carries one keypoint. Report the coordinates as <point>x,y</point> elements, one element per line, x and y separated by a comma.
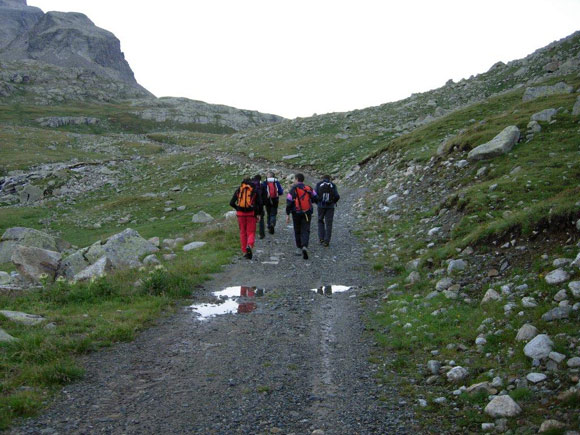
<point>248,253</point>
<point>321,241</point>
<point>305,253</point>
<point>326,244</point>
<point>271,230</point>
<point>299,251</point>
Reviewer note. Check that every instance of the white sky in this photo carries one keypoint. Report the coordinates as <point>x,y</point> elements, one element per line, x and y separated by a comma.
<point>299,57</point>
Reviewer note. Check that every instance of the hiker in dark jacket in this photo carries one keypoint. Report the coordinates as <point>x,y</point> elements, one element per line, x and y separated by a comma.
<point>273,190</point>
<point>328,196</point>
<point>299,204</point>
<point>261,196</point>
<point>245,201</point>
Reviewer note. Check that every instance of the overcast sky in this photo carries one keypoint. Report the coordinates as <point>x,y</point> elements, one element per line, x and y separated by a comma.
<point>300,57</point>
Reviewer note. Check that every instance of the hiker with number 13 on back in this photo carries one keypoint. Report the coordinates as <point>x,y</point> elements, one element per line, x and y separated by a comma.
<point>247,205</point>
<point>299,204</point>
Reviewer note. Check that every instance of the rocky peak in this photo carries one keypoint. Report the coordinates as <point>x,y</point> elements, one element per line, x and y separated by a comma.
<point>13,3</point>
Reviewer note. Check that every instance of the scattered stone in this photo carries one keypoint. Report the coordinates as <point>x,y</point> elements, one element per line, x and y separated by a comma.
<point>535,378</point>
<point>539,347</point>
<point>526,332</point>
<point>534,127</point>
<point>490,295</point>
<point>573,362</point>
<point>22,318</point>
<point>456,266</point>
<point>529,302</point>
<point>574,287</point>
<point>169,257</point>
<point>487,427</point>
<point>551,425</point>
<point>561,296</point>
<point>5,337</point>
<point>501,144</point>
<point>480,341</point>
<point>557,313</point>
<point>457,374</point>
<point>193,245</point>
<point>544,115</point>
<point>30,194</point>
<point>557,357</point>
<point>434,366</point>
<point>557,276</point>
<point>433,231</point>
<point>201,218</point>
<point>481,386</point>
<point>151,260</point>
<point>502,406</point>
<point>576,108</point>
<point>5,278</point>
<point>230,214</point>
<point>155,241</point>
<point>443,284</point>
<point>414,277</point>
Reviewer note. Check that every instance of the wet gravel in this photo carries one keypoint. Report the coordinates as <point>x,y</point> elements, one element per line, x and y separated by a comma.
<point>292,360</point>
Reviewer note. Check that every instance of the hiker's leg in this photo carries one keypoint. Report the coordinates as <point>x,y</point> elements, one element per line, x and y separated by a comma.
<point>329,217</point>
<point>321,229</point>
<point>243,232</point>
<point>251,228</point>
<point>305,229</point>
<point>274,211</point>
<point>296,220</point>
<point>261,225</point>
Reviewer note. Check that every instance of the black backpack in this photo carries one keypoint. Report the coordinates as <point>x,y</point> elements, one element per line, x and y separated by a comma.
<point>326,193</point>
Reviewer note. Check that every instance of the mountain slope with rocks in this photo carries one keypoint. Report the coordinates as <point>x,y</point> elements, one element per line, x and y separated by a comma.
<point>465,201</point>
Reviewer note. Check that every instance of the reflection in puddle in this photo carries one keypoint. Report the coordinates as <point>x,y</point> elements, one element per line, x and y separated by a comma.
<point>229,302</point>
<point>330,289</point>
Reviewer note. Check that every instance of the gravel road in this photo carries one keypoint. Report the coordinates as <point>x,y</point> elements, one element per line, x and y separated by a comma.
<point>288,361</point>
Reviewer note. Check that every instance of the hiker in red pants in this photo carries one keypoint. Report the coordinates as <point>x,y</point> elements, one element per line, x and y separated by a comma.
<point>246,201</point>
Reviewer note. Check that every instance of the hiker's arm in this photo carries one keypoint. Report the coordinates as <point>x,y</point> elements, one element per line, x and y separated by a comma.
<point>336,195</point>
<point>280,188</point>
<point>289,205</point>
<point>233,200</point>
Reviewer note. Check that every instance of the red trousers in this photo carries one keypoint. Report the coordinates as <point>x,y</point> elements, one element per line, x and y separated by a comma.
<point>247,222</point>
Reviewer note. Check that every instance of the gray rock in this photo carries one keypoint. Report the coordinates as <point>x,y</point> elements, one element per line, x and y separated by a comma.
<point>561,296</point>
<point>433,231</point>
<point>502,406</point>
<point>534,127</point>
<point>414,277</point>
<point>529,302</point>
<point>392,199</point>
<point>73,264</point>
<point>526,332</point>
<point>557,276</point>
<point>291,156</point>
<point>28,237</point>
<point>501,144</point>
<point>456,266</point>
<point>155,241</point>
<point>201,218</point>
<point>543,91</point>
<point>434,366</point>
<point>480,386</point>
<point>539,347</point>
<point>574,287</point>
<point>5,337</point>
<point>557,313</point>
<point>557,357</point>
<point>457,374</point>
<point>23,318</point>
<point>573,362</point>
<point>535,378</point>
<point>230,214</point>
<point>443,284</point>
<point>490,295</point>
<point>544,115</point>
<point>30,194</point>
<point>151,260</point>
<point>559,262</point>
<point>32,263</point>
<point>62,121</point>
<point>5,278</point>
<point>169,257</point>
<point>551,426</point>
<point>193,245</point>
<point>576,108</point>
<point>124,249</point>
<point>576,261</point>
<point>102,267</point>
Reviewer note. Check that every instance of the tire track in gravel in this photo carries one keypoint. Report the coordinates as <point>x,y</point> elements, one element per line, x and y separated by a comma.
<point>299,362</point>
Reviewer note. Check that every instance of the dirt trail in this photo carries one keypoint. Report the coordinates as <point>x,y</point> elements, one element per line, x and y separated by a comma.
<point>296,363</point>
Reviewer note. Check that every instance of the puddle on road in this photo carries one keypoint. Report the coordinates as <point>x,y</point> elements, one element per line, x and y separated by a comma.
<point>331,289</point>
<point>232,300</point>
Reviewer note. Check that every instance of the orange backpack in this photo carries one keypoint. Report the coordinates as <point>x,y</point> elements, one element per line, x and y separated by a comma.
<point>246,197</point>
<point>302,199</point>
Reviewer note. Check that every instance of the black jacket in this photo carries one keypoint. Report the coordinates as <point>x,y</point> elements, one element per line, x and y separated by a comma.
<point>335,196</point>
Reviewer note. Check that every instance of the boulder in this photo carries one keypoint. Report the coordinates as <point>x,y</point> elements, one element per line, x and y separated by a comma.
<point>552,426</point>
<point>501,144</point>
<point>544,115</point>
<point>28,237</point>
<point>73,264</point>
<point>534,127</point>
<point>574,287</point>
<point>230,214</point>
<point>201,218</point>
<point>543,91</point>
<point>22,318</point>
<point>100,268</point>
<point>30,194</point>
<point>502,406</point>
<point>193,245</point>
<point>573,362</point>
<point>32,263</point>
<point>124,250</point>
<point>526,332</point>
<point>557,313</point>
<point>539,347</point>
<point>557,276</point>
<point>5,337</point>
